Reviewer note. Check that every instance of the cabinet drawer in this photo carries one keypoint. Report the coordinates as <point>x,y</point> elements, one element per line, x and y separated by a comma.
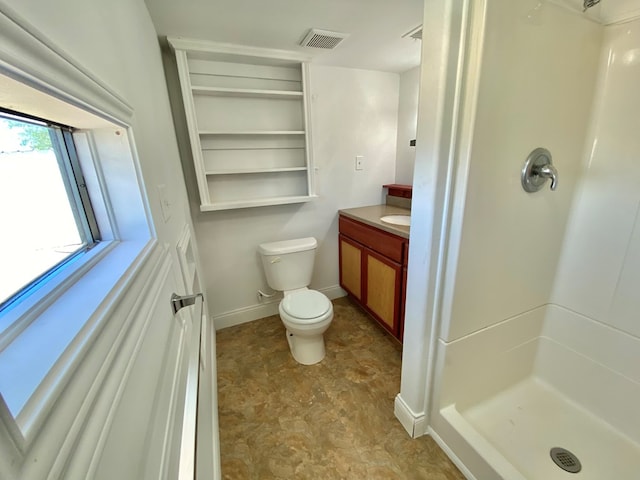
<point>389,245</point>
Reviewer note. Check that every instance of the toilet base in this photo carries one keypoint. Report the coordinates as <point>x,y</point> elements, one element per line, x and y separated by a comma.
<point>307,350</point>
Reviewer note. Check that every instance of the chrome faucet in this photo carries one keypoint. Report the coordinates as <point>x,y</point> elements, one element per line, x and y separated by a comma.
<point>537,168</point>
<point>548,171</point>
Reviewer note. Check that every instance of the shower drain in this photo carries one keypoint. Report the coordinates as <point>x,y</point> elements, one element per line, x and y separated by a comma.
<point>565,460</point>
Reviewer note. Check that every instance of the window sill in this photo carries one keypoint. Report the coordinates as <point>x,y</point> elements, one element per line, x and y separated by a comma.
<point>37,360</point>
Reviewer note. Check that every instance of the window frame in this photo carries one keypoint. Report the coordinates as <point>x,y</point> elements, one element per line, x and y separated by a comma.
<point>63,146</point>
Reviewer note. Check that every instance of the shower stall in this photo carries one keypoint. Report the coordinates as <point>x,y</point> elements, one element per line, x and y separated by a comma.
<point>537,346</point>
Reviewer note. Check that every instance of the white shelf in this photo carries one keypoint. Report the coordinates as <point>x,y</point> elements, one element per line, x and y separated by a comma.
<point>255,203</point>
<point>255,170</point>
<point>246,92</point>
<point>253,132</point>
<point>249,125</point>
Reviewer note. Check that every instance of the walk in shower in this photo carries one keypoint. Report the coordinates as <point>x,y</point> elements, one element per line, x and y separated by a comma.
<point>539,345</point>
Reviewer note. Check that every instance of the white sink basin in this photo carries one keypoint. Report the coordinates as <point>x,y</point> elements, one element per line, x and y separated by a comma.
<point>404,220</point>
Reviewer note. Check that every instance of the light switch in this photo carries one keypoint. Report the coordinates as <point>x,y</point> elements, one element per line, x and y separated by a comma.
<point>359,162</point>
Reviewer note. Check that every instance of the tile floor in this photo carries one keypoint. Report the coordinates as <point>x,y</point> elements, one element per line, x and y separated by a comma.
<point>332,420</point>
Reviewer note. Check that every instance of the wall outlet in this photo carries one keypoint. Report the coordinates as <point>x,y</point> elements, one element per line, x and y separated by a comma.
<point>359,162</point>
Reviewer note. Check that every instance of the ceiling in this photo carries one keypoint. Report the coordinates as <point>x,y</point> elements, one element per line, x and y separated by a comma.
<point>375,27</point>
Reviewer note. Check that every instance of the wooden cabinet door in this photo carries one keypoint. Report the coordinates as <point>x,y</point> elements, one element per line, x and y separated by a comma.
<point>351,266</point>
<point>383,289</point>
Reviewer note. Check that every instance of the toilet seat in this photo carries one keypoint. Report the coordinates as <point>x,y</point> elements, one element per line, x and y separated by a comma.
<point>305,306</point>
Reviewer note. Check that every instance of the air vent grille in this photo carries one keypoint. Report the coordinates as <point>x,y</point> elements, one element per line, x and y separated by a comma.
<point>323,39</point>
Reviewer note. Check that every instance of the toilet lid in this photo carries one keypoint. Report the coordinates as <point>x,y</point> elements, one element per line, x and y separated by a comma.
<point>306,304</point>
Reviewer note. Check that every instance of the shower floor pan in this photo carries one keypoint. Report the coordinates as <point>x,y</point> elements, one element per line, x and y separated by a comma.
<point>523,423</point>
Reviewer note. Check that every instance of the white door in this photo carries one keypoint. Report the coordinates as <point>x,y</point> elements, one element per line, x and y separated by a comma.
<point>153,431</point>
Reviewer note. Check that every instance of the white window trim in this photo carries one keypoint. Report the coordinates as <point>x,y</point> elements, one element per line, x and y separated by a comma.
<point>16,319</point>
<point>105,274</point>
<point>28,56</point>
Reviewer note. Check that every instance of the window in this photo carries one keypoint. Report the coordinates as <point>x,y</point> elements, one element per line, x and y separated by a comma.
<point>63,333</point>
<point>44,205</point>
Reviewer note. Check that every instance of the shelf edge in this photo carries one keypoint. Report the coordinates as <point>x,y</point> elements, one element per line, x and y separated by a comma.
<point>265,202</point>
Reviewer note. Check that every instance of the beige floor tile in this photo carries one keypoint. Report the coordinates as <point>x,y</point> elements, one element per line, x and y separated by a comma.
<point>333,420</point>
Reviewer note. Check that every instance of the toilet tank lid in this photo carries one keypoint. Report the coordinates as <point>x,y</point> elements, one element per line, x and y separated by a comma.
<point>288,246</point>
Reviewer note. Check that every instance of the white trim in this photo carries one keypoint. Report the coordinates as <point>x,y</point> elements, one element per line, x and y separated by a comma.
<point>245,314</point>
<point>100,403</point>
<point>184,248</point>
<point>15,320</point>
<point>308,138</point>
<point>131,257</point>
<point>28,56</point>
<point>188,440</point>
<point>181,43</point>
<point>445,33</point>
<point>414,423</point>
<point>192,125</point>
<point>265,309</point>
<point>122,373</point>
<point>452,456</point>
<point>94,157</point>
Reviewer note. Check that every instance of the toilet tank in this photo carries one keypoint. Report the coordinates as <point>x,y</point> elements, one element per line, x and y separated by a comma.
<point>288,264</point>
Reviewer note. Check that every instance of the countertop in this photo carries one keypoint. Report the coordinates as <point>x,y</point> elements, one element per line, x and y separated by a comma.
<point>371,216</point>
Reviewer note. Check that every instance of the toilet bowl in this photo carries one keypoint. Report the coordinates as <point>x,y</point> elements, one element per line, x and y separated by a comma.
<point>306,314</point>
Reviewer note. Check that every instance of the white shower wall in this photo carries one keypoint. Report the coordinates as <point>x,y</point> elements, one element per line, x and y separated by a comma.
<point>596,310</point>
<point>543,290</point>
<point>536,87</point>
<point>599,272</point>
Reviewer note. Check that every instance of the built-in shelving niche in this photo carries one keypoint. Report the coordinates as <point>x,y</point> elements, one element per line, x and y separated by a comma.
<point>249,124</point>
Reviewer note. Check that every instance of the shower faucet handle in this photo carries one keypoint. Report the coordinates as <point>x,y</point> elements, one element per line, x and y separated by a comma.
<point>537,168</point>
<point>549,171</point>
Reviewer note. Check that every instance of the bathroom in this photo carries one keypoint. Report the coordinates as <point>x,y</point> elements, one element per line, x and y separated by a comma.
<point>501,281</point>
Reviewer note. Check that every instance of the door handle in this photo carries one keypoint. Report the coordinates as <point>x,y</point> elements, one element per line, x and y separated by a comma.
<point>180,301</point>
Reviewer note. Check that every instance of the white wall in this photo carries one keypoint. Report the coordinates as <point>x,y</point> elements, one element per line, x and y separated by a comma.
<point>536,88</point>
<point>407,125</point>
<point>116,43</point>
<point>599,274</point>
<point>354,112</point>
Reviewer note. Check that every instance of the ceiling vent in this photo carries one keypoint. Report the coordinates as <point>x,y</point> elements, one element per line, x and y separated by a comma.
<point>323,39</point>
<point>416,33</point>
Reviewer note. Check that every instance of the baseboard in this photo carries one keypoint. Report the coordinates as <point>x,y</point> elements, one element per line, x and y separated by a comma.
<point>245,314</point>
<point>333,292</point>
<point>415,424</point>
<point>265,309</point>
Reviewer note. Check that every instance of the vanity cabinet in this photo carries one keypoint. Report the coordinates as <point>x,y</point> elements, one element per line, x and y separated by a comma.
<point>373,271</point>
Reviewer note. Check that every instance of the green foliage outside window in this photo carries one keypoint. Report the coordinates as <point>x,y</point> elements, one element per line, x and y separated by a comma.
<point>34,137</point>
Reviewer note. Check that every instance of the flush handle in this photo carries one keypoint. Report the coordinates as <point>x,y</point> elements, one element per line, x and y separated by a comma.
<point>537,169</point>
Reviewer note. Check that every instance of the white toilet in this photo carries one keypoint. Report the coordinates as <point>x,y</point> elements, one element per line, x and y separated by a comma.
<point>306,314</point>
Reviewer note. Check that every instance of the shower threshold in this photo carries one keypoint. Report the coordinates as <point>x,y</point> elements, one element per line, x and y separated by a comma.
<point>524,422</point>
